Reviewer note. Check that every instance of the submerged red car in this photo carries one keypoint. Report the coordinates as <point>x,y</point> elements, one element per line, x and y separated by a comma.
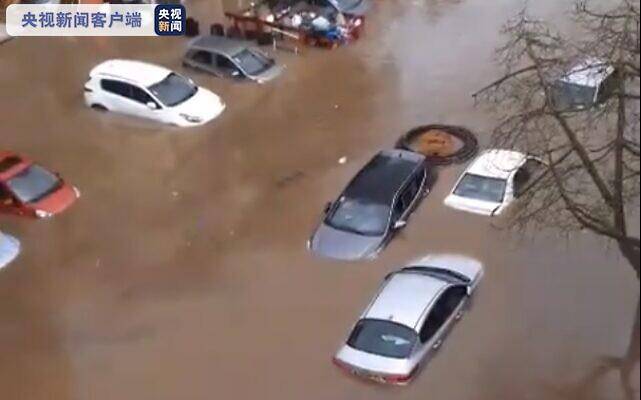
<point>30,190</point>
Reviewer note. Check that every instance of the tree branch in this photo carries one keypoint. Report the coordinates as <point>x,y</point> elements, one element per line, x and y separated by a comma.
<point>504,79</point>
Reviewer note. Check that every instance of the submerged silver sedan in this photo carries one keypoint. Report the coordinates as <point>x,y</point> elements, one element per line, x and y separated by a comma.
<point>409,318</point>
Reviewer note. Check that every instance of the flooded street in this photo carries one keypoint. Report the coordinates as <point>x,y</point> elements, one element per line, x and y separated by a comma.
<point>183,273</point>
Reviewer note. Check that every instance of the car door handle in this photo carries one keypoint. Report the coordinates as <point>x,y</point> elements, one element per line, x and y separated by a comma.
<point>437,345</point>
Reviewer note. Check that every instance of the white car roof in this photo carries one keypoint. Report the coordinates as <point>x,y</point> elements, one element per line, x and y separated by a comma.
<point>497,163</point>
<point>405,298</point>
<point>144,74</point>
<point>591,73</point>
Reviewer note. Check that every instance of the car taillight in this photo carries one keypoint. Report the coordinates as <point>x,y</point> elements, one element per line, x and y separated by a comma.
<point>400,379</point>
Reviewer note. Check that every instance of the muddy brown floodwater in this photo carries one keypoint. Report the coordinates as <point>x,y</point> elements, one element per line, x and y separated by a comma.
<point>183,274</point>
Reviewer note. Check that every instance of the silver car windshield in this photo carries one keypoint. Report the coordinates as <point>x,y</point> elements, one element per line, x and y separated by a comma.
<point>481,188</point>
<point>173,90</point>
<point>32,184</point>
<point>383,338</point>
<point>567,96</point>
<point>252,63</point>
<point>359,216</point>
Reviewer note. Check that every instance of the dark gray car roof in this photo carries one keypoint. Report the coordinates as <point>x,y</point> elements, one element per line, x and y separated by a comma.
<point>220,44</point>
<point>381,179</point>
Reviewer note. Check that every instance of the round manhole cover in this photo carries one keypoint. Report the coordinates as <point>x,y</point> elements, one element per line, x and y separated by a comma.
<point>441,144</point>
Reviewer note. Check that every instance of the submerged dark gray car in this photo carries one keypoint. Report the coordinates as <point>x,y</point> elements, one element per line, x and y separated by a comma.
<point>374,206</point>
<point>230,58</point>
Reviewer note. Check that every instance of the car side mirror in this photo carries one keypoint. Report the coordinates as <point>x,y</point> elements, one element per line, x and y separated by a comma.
<point>152,106</point>
<point>328,207</point>
<point>400,224</point>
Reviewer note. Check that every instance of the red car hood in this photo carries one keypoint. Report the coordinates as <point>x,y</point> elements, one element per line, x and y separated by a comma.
<point>57,201</point>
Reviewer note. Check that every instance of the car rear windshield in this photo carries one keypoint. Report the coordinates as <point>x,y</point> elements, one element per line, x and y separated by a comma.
<point>383,338</point>
<point>359,216</point>
<point>251,62</point>
<point>173,90</point>
<point>33,184</point>
<point>439,273</point>
<point>481,188</point>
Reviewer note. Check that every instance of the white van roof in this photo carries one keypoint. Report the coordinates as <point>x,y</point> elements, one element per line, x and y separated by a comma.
<point>136,71</point>
<point>591,73</point>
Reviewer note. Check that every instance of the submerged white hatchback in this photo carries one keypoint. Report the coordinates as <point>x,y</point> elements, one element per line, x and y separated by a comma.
<point>9,249</point>
<point>152,92</point>
<point>410,318</point>
<point>492,182</point>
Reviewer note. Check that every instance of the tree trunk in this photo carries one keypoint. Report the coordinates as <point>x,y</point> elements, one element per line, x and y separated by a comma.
<point>631,253</point>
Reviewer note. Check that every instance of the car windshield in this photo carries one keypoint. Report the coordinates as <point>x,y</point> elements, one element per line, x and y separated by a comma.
<point>567,96</point>
<point>481,188</point>
<point>359,216</point>
<point>383,338</point>
<point>173,90</point>
<point>32,184</point>
<point>252,63</point>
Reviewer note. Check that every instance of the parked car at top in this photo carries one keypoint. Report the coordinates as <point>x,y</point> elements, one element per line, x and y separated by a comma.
<point>588,84</point>
<point>351,7</point>
<point>493,181</point>
<point>374,206</point>
<point>29,189</point>
<point>152,92</point>
<point>230,58</point>
<point>409,318</point>
<point>9,249</point>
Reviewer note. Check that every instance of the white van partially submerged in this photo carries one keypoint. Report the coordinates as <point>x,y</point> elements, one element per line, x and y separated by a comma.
<point>588,84</point>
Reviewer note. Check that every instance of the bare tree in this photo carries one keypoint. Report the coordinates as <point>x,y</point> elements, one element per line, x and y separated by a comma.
<point>591,156</point>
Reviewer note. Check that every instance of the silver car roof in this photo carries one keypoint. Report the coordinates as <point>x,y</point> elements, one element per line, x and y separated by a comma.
<point>219,44</point>
<point>405,297</point>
